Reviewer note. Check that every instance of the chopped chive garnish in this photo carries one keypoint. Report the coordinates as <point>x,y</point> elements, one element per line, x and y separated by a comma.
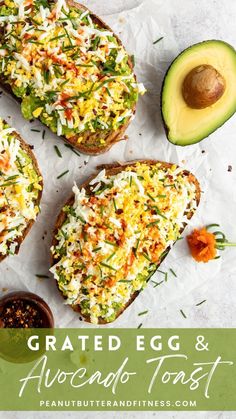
<point>107,225</point>
<point>85,235</point>
<point>139,326</point>
<point>114,203</point>
<point>108,91</point>
<point>150,196</point>
<point>84,65</point>
<point>156,284</point>
<point>108,266</point>
<point>161,196</point>
<point>57,151</point>
<point>132,58</point>
<point>137,245</point>
<point>111,243</point>
<point>68,36</point>
<point>42,276</point>
<point>96,249</point>
<point>142,313</point>
<point>164,254</point>
<point>8,184</point>
<point>111,256</point>
<point>158,40</point>
<point>173,272</point>
<point>102,84</point>
<point>130,180</point>
<point>31,41</point>
<point>57,37</point>
<point>146,256</point>
<point>35,130</point>
<point>183,314</point>
<point>64,82</point>
<point>63,174</point>
<point>72,149</point>
<point>200,303</point>
<point>11,177</point>
<point>152,223</point>
<point>163,273</point>
<point>158,212</point>
<point>124,280</point>
<point>43,134</point>
<point>80,247</point>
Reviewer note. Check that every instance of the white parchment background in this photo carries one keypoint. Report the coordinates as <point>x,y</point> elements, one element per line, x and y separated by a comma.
<point>139,23</point>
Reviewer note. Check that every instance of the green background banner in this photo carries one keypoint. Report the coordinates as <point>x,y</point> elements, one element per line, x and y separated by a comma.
<point>117,369</point>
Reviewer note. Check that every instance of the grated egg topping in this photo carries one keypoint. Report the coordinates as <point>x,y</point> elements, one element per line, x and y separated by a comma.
<point>19,189</point>
<point>68,71</point>
<point>116,233</point>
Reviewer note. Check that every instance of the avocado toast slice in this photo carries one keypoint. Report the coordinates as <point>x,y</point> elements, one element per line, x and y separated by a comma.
<point>67,68</point>
<point>21,188</point>
<point>114,232</point>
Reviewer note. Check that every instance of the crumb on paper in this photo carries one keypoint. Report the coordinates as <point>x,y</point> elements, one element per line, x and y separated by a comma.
<point>121,19</point>
<point>203,151</point>
<point>230,168</point>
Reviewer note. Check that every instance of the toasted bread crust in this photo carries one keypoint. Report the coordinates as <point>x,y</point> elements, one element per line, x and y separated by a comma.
<point>29,152</point>
<point>113,169</point>
<point>110,137</point>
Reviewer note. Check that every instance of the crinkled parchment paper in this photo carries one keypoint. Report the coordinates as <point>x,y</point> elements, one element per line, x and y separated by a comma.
<point>138,23</point>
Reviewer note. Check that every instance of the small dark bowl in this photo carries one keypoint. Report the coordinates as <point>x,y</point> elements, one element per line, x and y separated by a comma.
<point>38,302</point>
<point>13,346</point>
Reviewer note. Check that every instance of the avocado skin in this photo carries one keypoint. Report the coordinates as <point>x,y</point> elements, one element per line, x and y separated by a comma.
<point>166,128</point>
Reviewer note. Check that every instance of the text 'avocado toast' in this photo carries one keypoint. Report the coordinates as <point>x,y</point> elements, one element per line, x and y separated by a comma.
<point>20,190</point>
<point>68,69</point>
<point>114,232</point>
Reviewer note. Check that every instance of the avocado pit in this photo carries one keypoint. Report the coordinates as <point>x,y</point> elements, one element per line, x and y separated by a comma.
<point>202,87</point>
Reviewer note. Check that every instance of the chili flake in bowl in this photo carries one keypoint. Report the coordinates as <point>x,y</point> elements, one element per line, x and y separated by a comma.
<point>24,310</point>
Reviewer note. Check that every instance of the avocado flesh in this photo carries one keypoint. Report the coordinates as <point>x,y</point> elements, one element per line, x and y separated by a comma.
<point>185,126</point>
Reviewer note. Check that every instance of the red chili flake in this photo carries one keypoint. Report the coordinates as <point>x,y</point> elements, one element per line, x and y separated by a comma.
<point>68,114</point>
<point>20,314</point>
<point>27,36</point>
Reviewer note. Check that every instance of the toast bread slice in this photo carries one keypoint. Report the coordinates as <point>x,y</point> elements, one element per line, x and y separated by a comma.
<point>113,169</point>
<point>90,139</point>
<point>29,152</point>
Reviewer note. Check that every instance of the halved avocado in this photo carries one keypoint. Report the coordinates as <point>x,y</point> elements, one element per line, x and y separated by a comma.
<point>187,125</point>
